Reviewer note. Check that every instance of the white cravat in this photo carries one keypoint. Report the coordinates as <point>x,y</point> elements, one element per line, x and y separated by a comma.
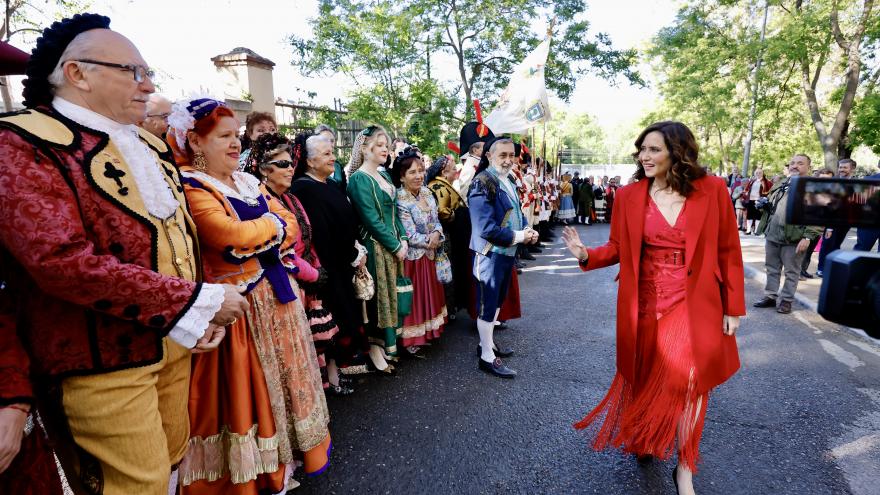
<point>147,172</point>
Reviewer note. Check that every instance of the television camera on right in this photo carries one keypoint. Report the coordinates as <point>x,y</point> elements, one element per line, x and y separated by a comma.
<point>850,293</point>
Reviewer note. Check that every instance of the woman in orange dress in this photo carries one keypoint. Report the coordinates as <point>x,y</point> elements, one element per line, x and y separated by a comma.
<point>680,297</point>
<point>256,404</point>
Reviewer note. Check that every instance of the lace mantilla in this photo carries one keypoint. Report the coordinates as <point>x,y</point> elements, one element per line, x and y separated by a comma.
<point>148,174</point>
<point>191,327</point>
<point>248,186</point>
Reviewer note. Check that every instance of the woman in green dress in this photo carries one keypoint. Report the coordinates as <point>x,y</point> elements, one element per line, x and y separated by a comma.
<point>374,199</point>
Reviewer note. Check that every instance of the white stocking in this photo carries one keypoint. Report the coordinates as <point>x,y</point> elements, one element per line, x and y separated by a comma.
<point>332,372</point>
<point>376,358</point>
<point>485,329</point>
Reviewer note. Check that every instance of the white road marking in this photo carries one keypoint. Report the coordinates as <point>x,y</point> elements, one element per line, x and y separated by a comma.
<point>841,355</point>
<point>858,449</point>
<point>859,446</point>
<point>803,319</point>
<point>865,347</point>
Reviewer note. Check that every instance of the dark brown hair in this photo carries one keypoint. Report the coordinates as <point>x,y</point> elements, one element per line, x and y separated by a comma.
<point>683,153</point>
<point>403,162</point>
<point>250,122</point>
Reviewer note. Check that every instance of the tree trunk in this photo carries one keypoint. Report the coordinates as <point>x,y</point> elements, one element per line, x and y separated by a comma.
<point>844,148</point>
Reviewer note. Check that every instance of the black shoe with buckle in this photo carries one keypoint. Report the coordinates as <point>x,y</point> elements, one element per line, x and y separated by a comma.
<point>765,302</point>
<point>496,368</point>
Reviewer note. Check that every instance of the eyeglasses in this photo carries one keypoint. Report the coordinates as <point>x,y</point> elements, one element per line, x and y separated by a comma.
<point>281,163</point>
<point>140,72</point>
<point>163,116</point>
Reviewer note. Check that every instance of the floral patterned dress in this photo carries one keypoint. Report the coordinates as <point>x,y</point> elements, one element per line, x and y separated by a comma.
<point>418,214</point>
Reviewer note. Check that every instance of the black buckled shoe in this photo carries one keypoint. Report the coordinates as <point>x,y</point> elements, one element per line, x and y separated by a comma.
<point>496,368</point>
<point>765,302</point>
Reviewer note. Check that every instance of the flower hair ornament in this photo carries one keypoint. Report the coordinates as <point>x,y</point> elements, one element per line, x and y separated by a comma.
<point>185,113</point>
<point>406,154</point>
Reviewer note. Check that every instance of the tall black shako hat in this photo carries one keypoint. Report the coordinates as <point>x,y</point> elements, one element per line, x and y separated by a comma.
<point>47,53</point>
<point>474,132</point>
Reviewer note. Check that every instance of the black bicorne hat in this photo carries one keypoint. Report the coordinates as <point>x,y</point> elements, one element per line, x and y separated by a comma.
<point>47,53</point>
<point>474,132</point>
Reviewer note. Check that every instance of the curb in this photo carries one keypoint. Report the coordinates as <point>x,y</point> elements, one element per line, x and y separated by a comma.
<point>760,277</point>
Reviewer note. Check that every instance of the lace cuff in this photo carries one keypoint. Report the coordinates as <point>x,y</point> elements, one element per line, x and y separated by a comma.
<point>192,326</point>
<point>362,252</point>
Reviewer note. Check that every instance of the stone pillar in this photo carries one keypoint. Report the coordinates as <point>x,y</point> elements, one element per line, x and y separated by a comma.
<point>247,81</point>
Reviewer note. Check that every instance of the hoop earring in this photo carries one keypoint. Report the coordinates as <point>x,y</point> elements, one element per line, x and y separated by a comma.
<point>199,161</point>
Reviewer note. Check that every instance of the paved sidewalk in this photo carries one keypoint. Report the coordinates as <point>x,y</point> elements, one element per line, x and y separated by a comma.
<point>807,291</point>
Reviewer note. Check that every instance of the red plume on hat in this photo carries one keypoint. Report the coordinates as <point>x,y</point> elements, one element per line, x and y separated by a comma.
<point>453,147</point>
<point>482,130</point>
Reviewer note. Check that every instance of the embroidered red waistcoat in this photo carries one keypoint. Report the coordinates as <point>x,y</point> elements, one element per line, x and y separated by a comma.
<point>96,282</point>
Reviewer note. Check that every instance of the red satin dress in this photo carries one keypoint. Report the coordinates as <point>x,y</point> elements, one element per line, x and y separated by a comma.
<point>661,410</point>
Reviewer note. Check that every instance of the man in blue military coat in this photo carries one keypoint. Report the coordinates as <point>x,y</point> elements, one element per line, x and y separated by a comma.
<point>498,227</point>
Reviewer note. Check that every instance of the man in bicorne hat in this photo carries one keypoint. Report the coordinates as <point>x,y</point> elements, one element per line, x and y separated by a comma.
<point>472,138</point>
<point>100,260</point>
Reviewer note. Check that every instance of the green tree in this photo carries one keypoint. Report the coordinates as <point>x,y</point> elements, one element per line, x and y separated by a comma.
<point>389,44</point>
<point>706,59</point>
<point>488,38</point>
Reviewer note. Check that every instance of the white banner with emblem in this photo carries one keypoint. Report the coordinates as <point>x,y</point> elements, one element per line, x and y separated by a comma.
<point>523,104</point>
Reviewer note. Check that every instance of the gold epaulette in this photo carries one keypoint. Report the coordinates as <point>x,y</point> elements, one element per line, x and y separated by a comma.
<point>35,124</point>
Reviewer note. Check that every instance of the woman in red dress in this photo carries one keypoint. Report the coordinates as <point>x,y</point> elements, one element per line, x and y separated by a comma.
<point>680,297</point>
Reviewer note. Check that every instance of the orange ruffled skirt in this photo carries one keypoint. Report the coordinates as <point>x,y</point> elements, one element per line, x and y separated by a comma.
<point>256,403</point>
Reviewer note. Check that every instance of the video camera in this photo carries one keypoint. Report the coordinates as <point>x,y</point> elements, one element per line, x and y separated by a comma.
<point>850,293</point>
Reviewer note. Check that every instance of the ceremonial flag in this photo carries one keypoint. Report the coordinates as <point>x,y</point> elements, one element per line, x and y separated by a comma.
<point>523,104</point>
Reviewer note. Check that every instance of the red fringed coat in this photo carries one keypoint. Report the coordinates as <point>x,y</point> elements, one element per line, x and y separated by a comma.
<point>715,279</point>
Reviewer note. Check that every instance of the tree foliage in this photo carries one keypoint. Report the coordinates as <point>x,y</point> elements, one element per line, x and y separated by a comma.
<point>706,59</point>
<point>390,50</point>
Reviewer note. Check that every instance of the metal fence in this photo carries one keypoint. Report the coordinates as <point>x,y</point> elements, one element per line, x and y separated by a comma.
<point>293,119</point>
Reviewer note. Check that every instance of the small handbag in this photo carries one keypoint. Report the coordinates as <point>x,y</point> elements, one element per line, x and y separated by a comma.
<point>404,293</point>
<point>364,288</point>
<point>444,267</point>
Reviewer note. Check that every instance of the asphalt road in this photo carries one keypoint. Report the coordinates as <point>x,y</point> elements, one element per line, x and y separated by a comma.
<point>801,417</point>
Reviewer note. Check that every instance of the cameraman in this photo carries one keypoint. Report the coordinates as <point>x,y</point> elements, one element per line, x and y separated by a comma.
<point>834,237</point>
<point>786,244</point>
